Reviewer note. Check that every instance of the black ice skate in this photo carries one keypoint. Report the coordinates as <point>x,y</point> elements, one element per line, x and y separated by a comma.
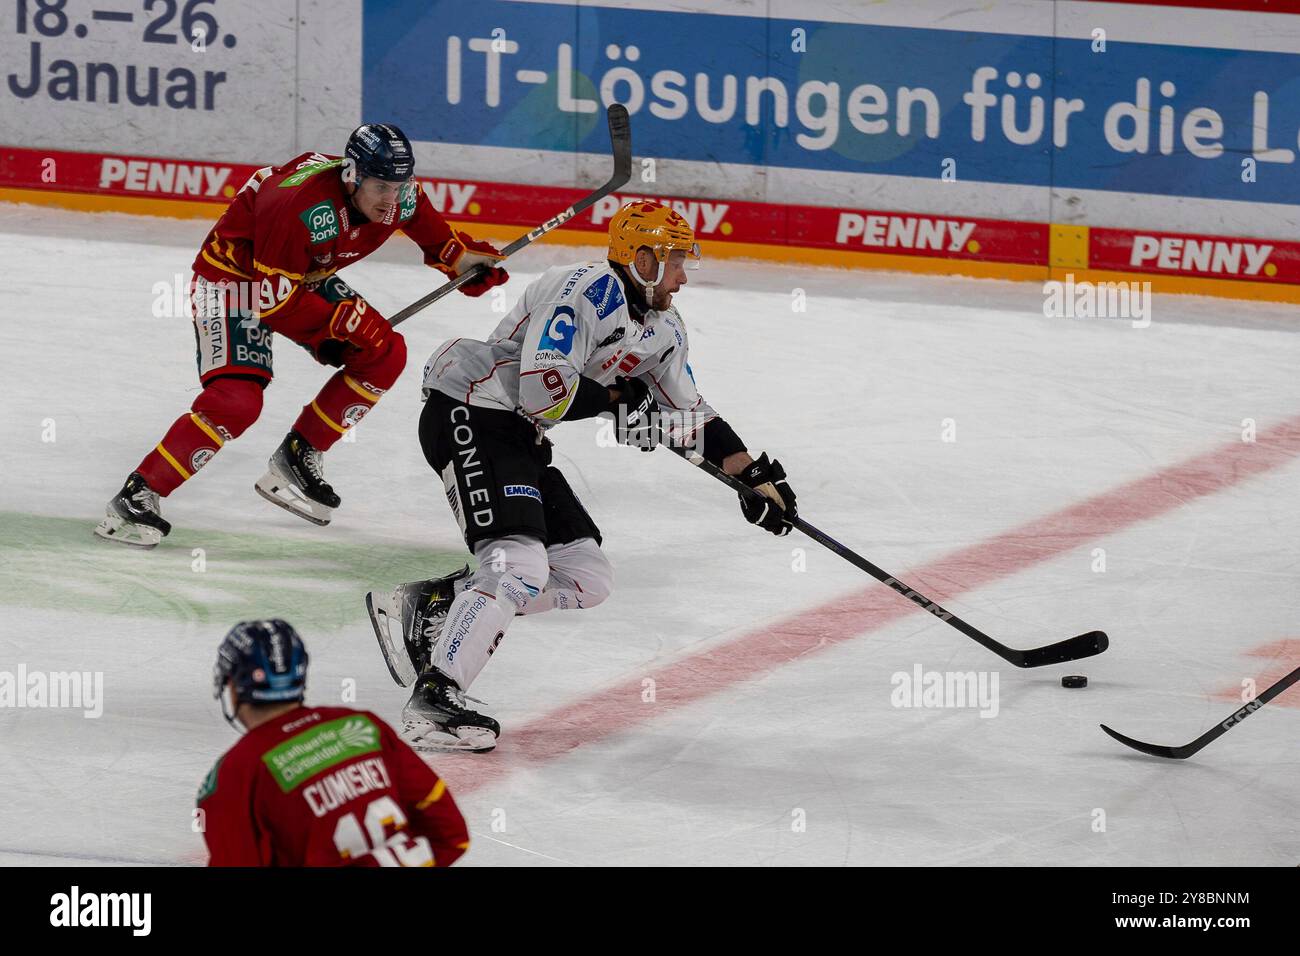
<point>134,516</point>
<point>436,719</point>
<point>409,620</point>
<point>295,481</point>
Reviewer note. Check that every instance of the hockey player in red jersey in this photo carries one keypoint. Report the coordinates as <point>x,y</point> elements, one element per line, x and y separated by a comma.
<point>268,267</point>
<point>314,786</point>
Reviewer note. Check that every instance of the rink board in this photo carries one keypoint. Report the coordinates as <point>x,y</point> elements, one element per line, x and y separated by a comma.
<point>869,238</point>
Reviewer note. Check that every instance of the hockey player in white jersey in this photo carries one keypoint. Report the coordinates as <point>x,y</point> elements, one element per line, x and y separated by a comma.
<point>584,340</point>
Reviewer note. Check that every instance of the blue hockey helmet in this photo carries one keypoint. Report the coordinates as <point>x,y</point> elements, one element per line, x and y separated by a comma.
<point>265,662</point>
<point>380,151</point>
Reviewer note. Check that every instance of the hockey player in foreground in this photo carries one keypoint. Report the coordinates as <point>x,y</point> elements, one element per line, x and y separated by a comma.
<point>584,340</point>
<point>268,267</point>
<point>314,786</point>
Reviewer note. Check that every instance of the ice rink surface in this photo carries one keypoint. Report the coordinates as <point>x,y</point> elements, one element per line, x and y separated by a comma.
<point>734,701</point>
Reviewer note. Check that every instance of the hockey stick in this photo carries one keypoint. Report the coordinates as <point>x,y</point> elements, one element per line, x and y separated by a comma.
<point>1215,732</point>
<point>1084,645</point>
<point>620,138</point>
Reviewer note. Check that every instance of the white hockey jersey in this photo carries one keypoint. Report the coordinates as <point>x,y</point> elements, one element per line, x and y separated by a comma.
<point>572,321</point>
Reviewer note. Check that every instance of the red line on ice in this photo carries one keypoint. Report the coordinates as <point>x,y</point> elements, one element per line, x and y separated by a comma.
<point>1283,656</point>
<point>618,708</point>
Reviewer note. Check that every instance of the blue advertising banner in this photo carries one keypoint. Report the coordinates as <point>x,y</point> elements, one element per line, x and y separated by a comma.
<point>850,98</point>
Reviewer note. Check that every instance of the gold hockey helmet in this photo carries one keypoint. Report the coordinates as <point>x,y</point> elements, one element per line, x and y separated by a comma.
<point>644,222</point>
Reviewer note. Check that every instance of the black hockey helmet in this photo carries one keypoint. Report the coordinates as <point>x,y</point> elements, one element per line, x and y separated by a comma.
<point>265,661</point>
<point>378,150</point>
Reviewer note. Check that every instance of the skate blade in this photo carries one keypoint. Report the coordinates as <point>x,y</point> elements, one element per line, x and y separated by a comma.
<point>384,617</point>
<point>271,487</point>
<point>117,529</point>
<point>430,738</point>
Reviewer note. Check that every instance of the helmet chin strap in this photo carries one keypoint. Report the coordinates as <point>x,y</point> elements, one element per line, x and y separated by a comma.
<point>232,717</point>
<point>649,286</point>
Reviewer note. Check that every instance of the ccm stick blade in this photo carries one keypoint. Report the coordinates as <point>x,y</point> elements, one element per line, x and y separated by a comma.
<point>1215,732</point>
<point>1155,750</point>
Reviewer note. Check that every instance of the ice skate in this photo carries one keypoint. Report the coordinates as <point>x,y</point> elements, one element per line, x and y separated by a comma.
<point>134,516</point>
<point>295,480</point>
<point>409,619</point>
<point>437,720</point>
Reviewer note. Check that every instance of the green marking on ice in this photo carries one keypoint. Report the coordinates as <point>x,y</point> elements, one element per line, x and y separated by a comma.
<point>48,562</point>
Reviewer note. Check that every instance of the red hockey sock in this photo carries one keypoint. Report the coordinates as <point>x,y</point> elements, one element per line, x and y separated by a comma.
<point>223,411</point>
<point>188,445</point>
<point>341,404</point>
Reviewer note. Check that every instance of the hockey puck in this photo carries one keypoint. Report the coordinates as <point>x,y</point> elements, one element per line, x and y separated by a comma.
<point>1074,680</point>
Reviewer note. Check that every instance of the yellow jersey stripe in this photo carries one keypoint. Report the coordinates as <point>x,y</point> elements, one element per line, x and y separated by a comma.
<point>270,270</point>
<point>434,795</point>
<point>225,267</point>
<point>361,389</point>
<point>327,420</point>
<point>173,462</point>
<point>208,430</point>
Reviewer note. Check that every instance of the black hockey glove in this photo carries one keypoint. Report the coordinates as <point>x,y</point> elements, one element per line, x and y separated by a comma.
<point>636,414</point>
<point>777,506</point>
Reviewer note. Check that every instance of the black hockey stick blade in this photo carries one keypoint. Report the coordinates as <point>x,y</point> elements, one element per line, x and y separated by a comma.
<point>1215,732</point>
<point>1073,649</point>
<point>1156,750</point>
<point>1084,645</point>
<point>620,141</point>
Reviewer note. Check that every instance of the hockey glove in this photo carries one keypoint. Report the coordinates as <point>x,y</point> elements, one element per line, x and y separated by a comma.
<point>358,324</point>
<point>353,320</point>
<point>768,479</point>
<point>461,253</point>
<point>636,414</point>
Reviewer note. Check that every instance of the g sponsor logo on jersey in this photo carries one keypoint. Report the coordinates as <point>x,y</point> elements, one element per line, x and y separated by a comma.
<point>522,491</point>
<point>558,335</point>
<point>605,294</point>
<point>321,222</point>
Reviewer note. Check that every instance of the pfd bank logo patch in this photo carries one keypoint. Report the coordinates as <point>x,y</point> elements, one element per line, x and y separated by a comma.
<point>321,222</point>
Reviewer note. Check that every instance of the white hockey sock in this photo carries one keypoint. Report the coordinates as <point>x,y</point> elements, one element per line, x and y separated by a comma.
<point>580,577</point>
<point>481,614</point>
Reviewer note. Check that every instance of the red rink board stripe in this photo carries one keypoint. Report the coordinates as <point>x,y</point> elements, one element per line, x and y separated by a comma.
<point>682,682</point>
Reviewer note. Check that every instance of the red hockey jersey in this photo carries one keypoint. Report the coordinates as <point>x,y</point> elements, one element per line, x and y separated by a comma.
<point>327,786</point>
<point>292,226</point>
